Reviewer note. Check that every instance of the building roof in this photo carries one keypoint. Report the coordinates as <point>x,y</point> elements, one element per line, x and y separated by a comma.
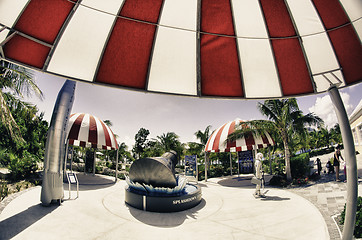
<point>356,112</point>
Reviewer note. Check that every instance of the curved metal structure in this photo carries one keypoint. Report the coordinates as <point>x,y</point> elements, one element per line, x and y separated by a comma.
<point>52,186</point>
<point>221,49</point>
<point>250,49</point>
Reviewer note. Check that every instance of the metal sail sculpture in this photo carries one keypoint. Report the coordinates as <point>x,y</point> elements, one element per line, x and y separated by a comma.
<point>52,186</point>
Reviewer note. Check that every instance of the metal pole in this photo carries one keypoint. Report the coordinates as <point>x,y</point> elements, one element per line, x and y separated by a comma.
<point>231,166</point>
<point>206,158</point>
<point>94,162</point>
<point>351,163</point>
<point>71,160</point>
<point>270,162</point>
<point>237,159</point>
<point>117,165</point>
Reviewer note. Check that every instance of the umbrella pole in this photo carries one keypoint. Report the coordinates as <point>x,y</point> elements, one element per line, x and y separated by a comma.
<point>231,166</point>
<point>206,158</point>
<point>94,162</point>
<point>84,159</point>
<point>270,162</point>
<point>116,165</point>
<point>71,160</point>
<point>237,158</point>
<point>350,158</point>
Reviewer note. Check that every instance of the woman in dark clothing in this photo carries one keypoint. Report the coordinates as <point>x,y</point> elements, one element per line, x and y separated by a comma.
<point>336,163</point>
<point>319,166</point>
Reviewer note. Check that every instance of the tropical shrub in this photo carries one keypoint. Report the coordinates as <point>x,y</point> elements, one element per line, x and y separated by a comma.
<point>358,225</point>
<point>4,190</point>
<point>23,168</point>
<point>322,151</point>
<point>300,165</point>
<point>278,180</point>
<point>300,181</point>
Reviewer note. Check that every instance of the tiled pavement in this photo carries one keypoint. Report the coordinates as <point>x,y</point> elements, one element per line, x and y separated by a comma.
<point>329,197</point>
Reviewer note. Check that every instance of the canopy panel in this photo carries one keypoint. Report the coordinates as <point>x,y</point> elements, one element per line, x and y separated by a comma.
<point>89,131</point>
<point>205,48</point>
<point>217,141</point>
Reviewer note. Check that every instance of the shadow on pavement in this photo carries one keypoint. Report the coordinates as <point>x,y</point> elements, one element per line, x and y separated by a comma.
<point>14,225</point>
<point>91,182</point>
<point>273,198</point>
<point>166,220</point>
<point>242,181</point>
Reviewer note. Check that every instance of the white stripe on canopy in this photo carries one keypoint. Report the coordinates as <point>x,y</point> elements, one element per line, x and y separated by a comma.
<point>256,57</point>
<point>173,66</point>
<point>82,43</point>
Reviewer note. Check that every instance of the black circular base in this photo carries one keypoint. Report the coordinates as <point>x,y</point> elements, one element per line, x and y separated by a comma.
<point>164,203</point>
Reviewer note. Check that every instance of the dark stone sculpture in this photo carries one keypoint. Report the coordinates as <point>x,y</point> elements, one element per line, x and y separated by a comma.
<point>155,171</point>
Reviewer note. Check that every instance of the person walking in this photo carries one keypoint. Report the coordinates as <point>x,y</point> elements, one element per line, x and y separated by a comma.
<point>258,175</point>
<point>336,162</point>
<point>319,165</point>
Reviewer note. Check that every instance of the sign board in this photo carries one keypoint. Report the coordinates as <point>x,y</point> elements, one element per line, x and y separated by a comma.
<point>191,166</point>
<point>72,178</point>
<point>246,161</point>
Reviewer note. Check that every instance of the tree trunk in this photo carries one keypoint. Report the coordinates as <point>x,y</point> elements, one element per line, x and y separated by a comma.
<point>287,157</point>
<point>287,162</point>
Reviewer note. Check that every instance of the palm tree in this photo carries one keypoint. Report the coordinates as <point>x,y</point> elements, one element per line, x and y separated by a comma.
<point>169,141</point>
<point>285,119</point>
<point>14,80</point>
<point>203,136</point>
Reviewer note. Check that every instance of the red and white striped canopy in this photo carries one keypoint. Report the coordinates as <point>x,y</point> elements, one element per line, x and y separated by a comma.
<point>206,48</point>
<point>89,131</point>
<point>217,140</point>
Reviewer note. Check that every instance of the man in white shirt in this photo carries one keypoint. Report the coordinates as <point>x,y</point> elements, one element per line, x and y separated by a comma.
<point>258,175</point>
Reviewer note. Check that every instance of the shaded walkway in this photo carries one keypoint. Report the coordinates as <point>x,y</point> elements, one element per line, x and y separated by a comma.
<point>224,213</point>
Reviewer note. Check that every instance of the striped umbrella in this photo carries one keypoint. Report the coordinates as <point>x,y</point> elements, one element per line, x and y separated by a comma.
<point>89,131</point>
<point>217,141</point>
<point>221,48</point>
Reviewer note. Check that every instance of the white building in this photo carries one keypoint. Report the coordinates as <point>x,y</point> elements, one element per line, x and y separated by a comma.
<point>355,120</point>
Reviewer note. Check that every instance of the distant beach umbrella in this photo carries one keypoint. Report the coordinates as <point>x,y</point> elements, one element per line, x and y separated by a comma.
<point>217,141</point>
<point>89,131</point>
<point>238,49</point>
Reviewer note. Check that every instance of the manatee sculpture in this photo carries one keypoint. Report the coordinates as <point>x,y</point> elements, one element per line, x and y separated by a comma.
<point>155,171</point>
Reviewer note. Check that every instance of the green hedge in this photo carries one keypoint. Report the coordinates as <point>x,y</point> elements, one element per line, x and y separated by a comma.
<point>358,226</point>
<point>299,165</point>
<point>322,151</point>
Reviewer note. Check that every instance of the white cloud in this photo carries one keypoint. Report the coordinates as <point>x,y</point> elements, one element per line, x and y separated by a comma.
<point>324,108</point>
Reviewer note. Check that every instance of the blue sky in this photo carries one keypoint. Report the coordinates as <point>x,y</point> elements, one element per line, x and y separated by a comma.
<point>161,113</point>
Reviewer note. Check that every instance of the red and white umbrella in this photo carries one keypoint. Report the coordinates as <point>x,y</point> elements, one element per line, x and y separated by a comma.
<point>89,131</point>
<point>217,141</point>
<point>220,48</point>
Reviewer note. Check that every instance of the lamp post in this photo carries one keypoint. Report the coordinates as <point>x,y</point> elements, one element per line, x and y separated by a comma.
<point>351,163</point>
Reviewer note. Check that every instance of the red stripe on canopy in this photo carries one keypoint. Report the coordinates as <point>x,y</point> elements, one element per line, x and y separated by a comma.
<point>83,131</point>
<point>220,71</point>
<point>42,20</point>
<point>106,134</point>
<point>36,53</point>
<point>129,49</point>
<point>216,142</point>
<point>293,71</point>
<point>345,41</point>
<point>74,130</point>
<point>93,131</point>
<point>231,130</point>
